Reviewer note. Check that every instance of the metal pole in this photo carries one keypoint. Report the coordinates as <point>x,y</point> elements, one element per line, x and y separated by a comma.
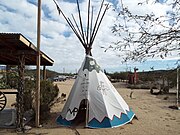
<point>38,66</point>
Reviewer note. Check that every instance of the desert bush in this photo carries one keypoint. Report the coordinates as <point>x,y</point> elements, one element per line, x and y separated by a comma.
<point>29,90</point>
<point>3,84</point>
<point>138,86</point>
<point>12,79</point>
<point>48,93</point>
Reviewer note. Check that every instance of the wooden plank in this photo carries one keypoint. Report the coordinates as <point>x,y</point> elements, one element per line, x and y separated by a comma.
<point>9,91</point>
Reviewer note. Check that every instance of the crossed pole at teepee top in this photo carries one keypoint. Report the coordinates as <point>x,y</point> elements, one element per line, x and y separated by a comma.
<point>86,38</point>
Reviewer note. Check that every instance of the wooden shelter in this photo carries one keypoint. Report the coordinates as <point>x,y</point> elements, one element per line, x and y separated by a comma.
<point>15,49</point>
<point>13,45</point>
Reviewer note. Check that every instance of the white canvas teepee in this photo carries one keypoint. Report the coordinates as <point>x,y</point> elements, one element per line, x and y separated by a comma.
<point>93,99</point>
<point>106,108</point>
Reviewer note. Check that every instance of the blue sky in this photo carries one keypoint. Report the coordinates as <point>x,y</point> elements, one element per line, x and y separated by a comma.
<point>58,41</point>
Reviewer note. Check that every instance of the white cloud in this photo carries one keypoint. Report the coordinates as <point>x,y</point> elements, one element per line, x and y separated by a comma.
<point>67,52</point>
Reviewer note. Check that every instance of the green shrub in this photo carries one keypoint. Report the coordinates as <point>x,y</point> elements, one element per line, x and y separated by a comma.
<point>29,90</point>
<point>48,93</point>
<point>12,79</point>
<point>3,85</point>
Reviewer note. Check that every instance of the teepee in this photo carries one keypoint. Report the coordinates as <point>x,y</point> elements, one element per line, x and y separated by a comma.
<point>93,99</point>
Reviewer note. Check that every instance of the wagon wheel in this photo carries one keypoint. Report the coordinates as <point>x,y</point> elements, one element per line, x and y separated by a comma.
<point>3,101</point>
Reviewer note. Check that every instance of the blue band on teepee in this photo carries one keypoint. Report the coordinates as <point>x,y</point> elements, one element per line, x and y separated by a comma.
<point>106,123</point>
<point>63,122</point>
<point>115,122</point>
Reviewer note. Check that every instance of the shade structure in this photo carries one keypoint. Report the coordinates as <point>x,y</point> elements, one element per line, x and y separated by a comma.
<point>13,45</point>
<point>103,105</point>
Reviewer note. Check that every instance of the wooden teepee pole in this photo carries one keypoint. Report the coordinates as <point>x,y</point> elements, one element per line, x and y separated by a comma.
<point>88,21</point>
<point>87,112</point>
<point>80,20</point>
<point>95,25</point>
<point>79,35</point>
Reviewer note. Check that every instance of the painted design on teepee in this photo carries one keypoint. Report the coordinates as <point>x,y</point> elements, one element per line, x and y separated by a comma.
<point>91,64</point>
<point>73,112</point>
<point>84,86</point>
<point>102,88</point>
<point>106,122</point>
<point>114,122</point>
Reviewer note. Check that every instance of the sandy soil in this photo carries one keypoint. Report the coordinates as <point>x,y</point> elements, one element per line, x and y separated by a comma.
<point>154,116</point>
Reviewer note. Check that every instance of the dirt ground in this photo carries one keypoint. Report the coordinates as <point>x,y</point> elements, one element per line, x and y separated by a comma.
<point>153,112</point>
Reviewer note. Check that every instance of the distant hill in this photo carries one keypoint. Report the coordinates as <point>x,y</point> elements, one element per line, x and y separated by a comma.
<point>49,73</point>
<point>170,75</point>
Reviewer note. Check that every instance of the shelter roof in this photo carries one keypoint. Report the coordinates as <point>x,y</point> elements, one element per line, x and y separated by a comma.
<point>13,45</point>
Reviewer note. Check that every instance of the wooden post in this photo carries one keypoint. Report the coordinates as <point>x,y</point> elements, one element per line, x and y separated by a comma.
<point>44,72</point>
<point>20,95</point>
<point>7,74</point>
<point>178,87</point>
<point>37,96</point>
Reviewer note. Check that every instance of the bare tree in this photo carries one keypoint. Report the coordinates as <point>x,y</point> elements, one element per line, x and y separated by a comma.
<point>149,35</point>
